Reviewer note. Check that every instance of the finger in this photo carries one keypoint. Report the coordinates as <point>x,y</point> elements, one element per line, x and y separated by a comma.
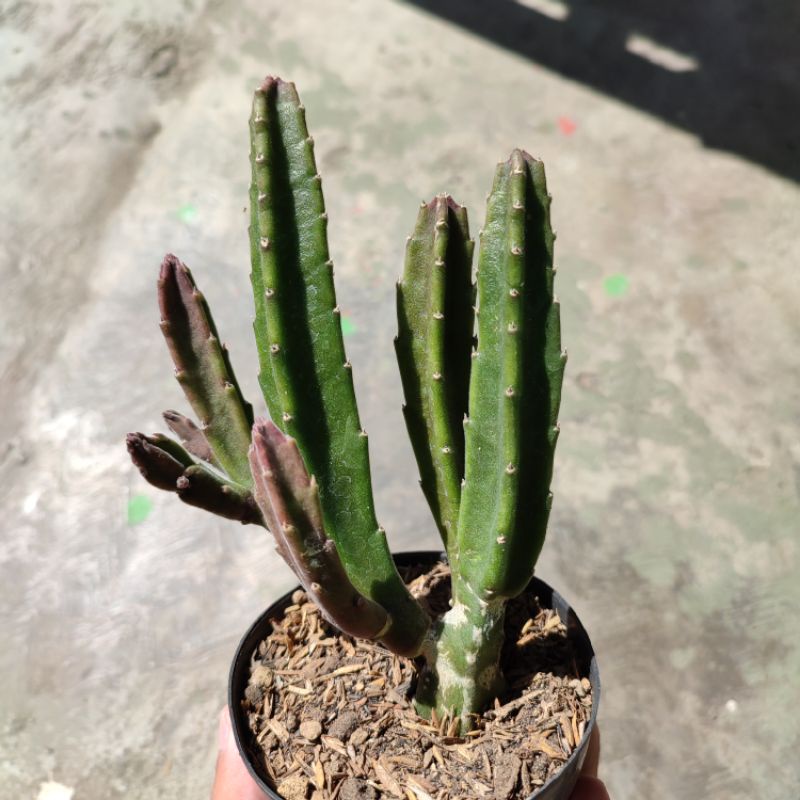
<point>232,780</point>
<point>592,760</point>
<point>588,786</point>
<point>589,789</point>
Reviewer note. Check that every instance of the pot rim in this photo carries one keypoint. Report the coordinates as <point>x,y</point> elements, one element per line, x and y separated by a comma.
<point>558,786</point>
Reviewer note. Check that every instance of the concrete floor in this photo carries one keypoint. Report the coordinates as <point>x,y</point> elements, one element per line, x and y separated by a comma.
<point>675,526</point>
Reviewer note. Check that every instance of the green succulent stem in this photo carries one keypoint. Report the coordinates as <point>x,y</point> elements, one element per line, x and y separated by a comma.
<point>306,378</point>
<point>435,322</point>
<point>515,388</point>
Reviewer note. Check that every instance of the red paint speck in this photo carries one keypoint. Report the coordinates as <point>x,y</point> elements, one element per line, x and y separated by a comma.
<point>567,126</point>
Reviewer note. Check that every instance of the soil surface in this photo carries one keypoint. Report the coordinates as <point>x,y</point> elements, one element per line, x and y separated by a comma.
<point>332,717</point>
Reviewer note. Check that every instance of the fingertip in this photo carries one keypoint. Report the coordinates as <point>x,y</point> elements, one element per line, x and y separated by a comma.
<point>591,762</point>
<point>232,781</point>
<point>588,788</point>
<point>225,740</point>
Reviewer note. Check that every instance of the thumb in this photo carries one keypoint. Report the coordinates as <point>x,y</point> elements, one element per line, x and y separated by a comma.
<point>588,786</point>
<point>589,789</point>
<point>232,781</point>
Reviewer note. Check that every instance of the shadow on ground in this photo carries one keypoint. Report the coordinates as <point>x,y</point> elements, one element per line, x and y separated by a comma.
<point>726,71</point>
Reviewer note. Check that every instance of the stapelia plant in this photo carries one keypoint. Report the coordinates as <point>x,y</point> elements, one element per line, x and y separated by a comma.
<point>481,412</point>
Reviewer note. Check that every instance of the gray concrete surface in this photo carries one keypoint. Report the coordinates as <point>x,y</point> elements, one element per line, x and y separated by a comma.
<point>675,526</point>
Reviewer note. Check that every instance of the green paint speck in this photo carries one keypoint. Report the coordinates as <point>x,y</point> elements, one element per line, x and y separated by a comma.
<point>139,508</point>
<point>188,213</point>
<point>348,326</point>
<point>615,285</point>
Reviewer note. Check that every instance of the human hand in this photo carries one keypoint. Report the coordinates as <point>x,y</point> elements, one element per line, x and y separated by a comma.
<point>588,786</point>
<point>232,781</point>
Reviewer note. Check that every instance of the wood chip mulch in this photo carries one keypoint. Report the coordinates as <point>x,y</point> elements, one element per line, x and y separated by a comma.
<point>333,716</point>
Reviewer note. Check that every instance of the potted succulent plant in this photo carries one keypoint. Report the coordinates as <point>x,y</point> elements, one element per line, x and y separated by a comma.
<point>455,675</point>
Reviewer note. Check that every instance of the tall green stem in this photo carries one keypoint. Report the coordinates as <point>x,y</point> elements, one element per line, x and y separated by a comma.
<point>306,378</point>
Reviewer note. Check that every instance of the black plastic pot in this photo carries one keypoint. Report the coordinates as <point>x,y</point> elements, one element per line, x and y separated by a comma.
<point>558,787</point>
